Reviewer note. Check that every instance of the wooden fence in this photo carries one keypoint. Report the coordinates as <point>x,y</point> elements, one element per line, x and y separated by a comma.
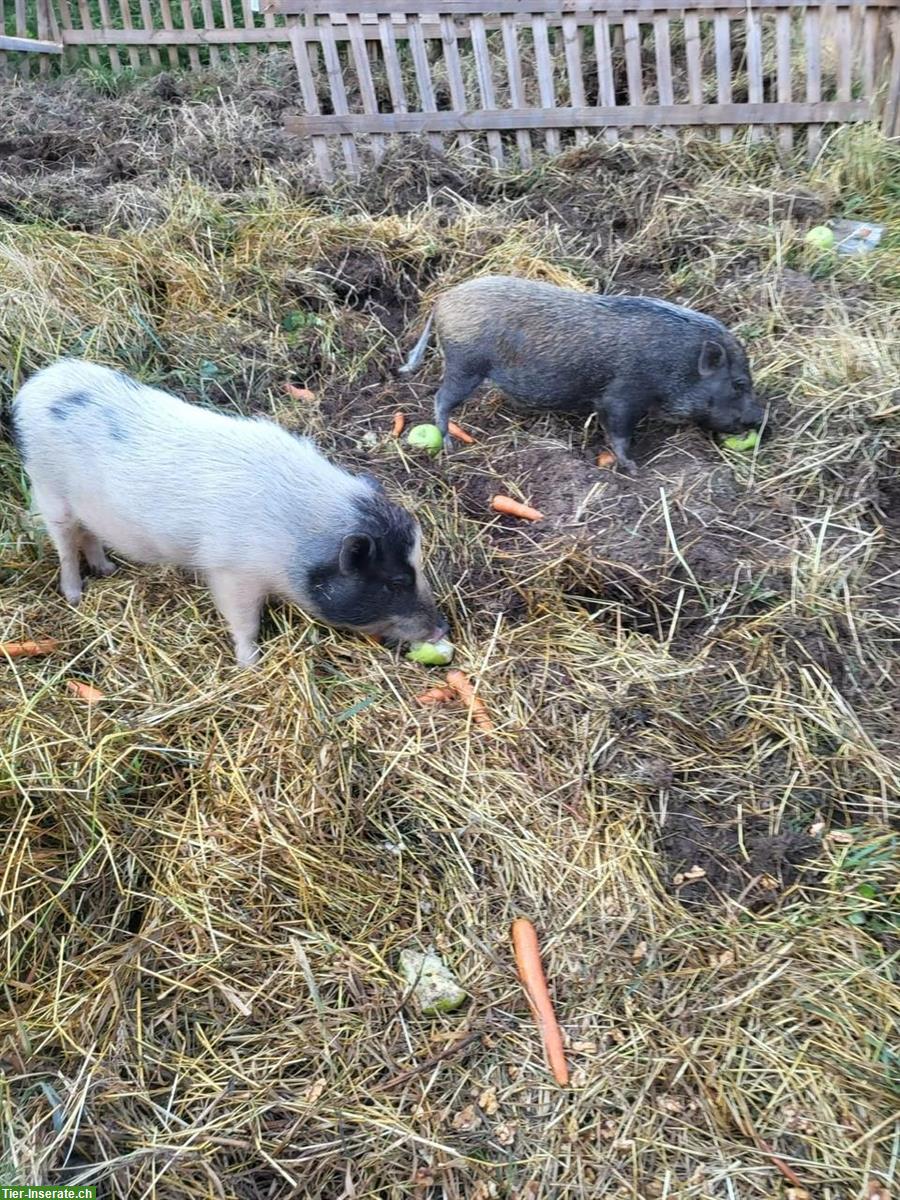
<point>504,78</point>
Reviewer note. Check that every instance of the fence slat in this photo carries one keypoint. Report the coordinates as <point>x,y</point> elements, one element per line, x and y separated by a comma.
<point>455,78</point>
<point>631,34</point>
<point>516,86</point>
<point>65,21</point>
<point>134,55</point>
<point>813,34</point>
<point>722,27</point>
<point>147,19</point>
<point>783,81</point>
<point>625,116</point>
<point>4,62</point>
<point>335,75</point>
<point>22,32</point>
<point>606,88</point>
<point>228,22</point>
<point>662,46</point>
<point>106,23</point>
<point>215,58</point>
<point>755,66</point>
<point>892,104</point>
<point>364,75</point>
<point>544,65</point>
<point>188,23</point>
<point>871,22</point>
<point>392,65</point>
<point>844,37</point>
<point>165,10</point>
<point>422,72</point>
<point>692,48</point>
<point>485,84</point>
<point>250,23</point>
<point>572,46</point>
<point>302,50</point>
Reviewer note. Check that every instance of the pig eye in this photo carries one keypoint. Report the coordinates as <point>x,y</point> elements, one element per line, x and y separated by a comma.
<point>398,582</point>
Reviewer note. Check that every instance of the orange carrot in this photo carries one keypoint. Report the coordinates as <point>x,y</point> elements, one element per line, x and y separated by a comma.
<point>84,691</point>
<point>460,683</point>
<point>28,649</point>
<point>531,973</point>
<point>512,508</point>
<point>436,695</point>
<point>606,458</point>
<point>298,393</point>
<point>460,434</point>
<point>399,422</point>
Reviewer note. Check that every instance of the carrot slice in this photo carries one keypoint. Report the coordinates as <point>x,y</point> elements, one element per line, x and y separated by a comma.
<point>28,649</point>
<point>436,695</point>
<point>512,508</point>
<point>84,691</point>
<point>298,393</point>
<point>399,422</point>
<point>460,434</point>
<point>606,458</point>
<point>531,973</point>
<point>462,685</point>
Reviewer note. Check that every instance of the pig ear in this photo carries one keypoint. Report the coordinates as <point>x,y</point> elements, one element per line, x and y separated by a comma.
<point>357,552</point>
<point>712,357</point>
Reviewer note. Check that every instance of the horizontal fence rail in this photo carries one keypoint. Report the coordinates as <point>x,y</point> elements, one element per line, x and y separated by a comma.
<point>503,79</point>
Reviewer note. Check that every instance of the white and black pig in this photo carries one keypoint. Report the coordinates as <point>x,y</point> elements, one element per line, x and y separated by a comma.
<point>619,356</point>
<point>257,511</point>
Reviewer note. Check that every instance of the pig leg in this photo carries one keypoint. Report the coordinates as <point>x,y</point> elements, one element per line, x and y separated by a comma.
<point>617,415</point>
<point>239,599</point>
<point>458,384</point>
<point>64,534</point>
<point>95,555</point>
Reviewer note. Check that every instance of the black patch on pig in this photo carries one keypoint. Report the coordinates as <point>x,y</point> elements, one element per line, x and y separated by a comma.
<point>63,408</point>
<point>114,425</point>
<point>127,382</point>
<point>375,581</point>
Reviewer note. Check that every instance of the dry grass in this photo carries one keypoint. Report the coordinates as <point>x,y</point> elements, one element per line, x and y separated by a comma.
<point>207,878</point>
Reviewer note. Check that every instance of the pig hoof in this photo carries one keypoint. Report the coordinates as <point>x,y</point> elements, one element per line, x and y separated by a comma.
<point>104,568</point>
<point>247,656</point>
<point>72,595</point>
<point>629,466</point>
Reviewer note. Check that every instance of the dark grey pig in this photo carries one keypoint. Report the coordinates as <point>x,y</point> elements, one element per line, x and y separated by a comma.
<point>259,512</point>
<point>619,356</point>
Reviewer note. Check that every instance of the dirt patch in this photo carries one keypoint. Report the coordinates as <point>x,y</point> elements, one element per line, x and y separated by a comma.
<point>713,856</point>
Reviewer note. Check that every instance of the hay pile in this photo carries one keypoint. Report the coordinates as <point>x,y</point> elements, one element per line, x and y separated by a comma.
<point>207,878</point>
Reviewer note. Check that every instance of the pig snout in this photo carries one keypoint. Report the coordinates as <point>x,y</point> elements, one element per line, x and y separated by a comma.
<point>752,416</point>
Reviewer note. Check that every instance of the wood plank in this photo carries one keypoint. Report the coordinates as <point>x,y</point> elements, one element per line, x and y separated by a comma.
<point>606,87</point>
<point>753,43</point>
<point>871,23</point>
<point>423,73</point>
<point>455,80</point>
<point>43,33</point>
<point>134,55</point>
<point>188,22</point>
<point>631,33</point>
<point>106,22</point>
<point>486,85</point>
<point>209,22</point>
<point>692,50</point>
<point>301,50</point>
<point>165,9</point>
<point>29,45</point>
<point>813,37</point>
<point>335,75</point>
<point>572,47</point>
<point>516,86</point>
<point>722,27</point>
<point>547,9</point>
<point>891,121</point>
<point>228,22</point>
<point>844,38</point>
<point>180,37</point>
<point>24,34</point>
<point>662,49</point>
<point>625,116</point>
<point>250,26</point>
<point>147,21</point>
<point>364,76</point>
<point>392,67</point>
<point>783,82</point>
<point>544,65</point>
<point>4,61</point>
<point>85,13</point>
